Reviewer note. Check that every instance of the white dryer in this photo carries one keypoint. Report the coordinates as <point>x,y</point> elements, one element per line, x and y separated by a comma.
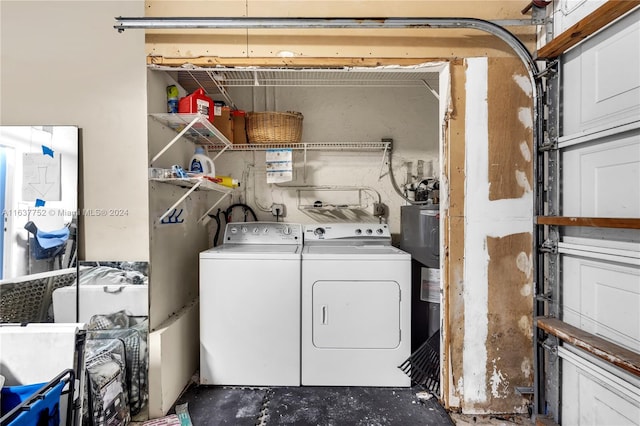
<point>250,306</point>
<point>356,306</point>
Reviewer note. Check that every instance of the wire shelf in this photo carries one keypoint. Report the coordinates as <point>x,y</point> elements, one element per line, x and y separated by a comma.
<point>307,146</point>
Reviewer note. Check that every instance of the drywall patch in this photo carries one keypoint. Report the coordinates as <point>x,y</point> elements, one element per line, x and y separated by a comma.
<point>524,83</point>
<point>526,367</point>
<point>525,151</point>
<point>510,320</point>
<point>523,182</point>
<point>510,129</point>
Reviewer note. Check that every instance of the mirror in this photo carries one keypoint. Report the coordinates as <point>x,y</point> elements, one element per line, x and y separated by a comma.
<point>114,304</point>
<point>39,203</point>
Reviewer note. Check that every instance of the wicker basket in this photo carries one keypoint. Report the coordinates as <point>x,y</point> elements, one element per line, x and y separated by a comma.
<point>274,127</point>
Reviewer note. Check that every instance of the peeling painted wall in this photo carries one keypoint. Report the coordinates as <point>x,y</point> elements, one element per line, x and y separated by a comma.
<point>497,350</point>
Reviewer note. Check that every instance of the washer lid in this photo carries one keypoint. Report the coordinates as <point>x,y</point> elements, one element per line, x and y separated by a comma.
<point>358,252</point>
<point>253,251</point>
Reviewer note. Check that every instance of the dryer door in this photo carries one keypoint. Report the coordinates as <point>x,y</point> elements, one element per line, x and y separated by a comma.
<point>356,314</point>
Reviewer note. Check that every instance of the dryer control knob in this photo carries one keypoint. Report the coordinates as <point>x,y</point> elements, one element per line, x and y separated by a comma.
<point>369,232</point>
<point>379,231</point>
<point>234,230</point>
<point>358,231</point>
<point>286,230</point>
<point>319,232</point>
<point>244,229</point>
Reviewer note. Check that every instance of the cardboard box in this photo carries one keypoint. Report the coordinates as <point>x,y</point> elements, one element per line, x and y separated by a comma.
<point>239,126</point>
<point>223,122</point>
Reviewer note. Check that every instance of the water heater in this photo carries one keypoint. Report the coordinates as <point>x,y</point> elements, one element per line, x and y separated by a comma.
<point>420,233</point>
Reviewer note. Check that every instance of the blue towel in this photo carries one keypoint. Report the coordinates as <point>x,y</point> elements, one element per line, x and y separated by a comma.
<point>52,238</point>
<point>44,411</point>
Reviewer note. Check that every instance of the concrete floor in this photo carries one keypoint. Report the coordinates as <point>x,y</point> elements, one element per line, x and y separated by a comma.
<point>318,406</point>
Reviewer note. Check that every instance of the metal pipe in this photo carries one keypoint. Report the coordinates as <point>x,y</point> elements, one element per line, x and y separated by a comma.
<point>190,22</point>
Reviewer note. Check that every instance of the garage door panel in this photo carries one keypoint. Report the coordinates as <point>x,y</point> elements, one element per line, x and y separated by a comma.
<point>602,298</point>
<point>603,179</point>
<point>594,275</point>
<point>601,79</point>
<point>595,396</point>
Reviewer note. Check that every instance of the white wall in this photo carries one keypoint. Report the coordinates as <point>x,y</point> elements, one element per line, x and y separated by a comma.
<point>340,114</point>
<point>63,63</point>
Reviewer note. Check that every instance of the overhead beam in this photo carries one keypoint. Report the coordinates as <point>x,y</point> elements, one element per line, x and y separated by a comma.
<point>213,61</point>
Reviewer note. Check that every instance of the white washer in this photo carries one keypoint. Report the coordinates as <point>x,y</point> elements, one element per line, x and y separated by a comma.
<point>356,306</point>
<point>250,306</point>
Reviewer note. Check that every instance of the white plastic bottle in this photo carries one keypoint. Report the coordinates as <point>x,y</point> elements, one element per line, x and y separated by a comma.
<point>201,163</point>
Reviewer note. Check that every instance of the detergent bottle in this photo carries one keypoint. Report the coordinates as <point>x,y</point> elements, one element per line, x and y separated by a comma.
<point>201,163</point>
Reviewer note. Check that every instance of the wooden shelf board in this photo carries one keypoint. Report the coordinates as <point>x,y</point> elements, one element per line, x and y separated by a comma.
<point>603,349</point>
<point>594,222</point>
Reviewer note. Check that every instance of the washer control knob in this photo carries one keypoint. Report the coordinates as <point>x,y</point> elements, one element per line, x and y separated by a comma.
<point>233,230</point>
<point>369,232</point>
<point>286,230</point>
<point>358,231</point>
<point>244,229</point>
<point>266,230</point>
<point>256,230</point>
<point>319,232</point>
<point>379,231</point>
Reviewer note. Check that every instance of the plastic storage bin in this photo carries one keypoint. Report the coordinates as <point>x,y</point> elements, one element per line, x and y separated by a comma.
<point>39,403</point>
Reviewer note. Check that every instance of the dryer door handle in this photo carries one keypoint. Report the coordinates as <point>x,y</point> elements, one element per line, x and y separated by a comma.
<point>325,312</point>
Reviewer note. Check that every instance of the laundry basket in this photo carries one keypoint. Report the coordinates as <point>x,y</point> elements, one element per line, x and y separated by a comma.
<point>274,127</point>
<point>39,403</point>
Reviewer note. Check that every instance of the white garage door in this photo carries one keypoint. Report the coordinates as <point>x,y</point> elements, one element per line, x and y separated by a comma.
<point>599,267</point>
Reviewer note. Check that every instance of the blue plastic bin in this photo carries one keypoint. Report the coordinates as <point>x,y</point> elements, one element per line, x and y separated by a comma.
<point>35,404</point>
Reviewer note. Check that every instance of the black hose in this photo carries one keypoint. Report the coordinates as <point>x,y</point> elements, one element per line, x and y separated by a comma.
<point>216,217</point>
<point>227,213</point>
<point>227,217</point>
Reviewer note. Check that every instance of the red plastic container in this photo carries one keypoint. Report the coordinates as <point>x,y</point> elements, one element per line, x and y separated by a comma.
<point>196,102</point>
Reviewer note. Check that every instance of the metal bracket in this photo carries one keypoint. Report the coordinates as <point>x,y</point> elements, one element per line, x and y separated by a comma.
<point>548,145</point>
<point>546,297</point>
<point>387,150</point>
<point>538,15</point>
<point>524,390</point>
<point>549,246</point>
<point>550,347</point>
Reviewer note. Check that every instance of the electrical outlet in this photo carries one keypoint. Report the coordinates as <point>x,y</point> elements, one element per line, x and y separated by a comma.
<point>379,209</point>
<point>277,210</point>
